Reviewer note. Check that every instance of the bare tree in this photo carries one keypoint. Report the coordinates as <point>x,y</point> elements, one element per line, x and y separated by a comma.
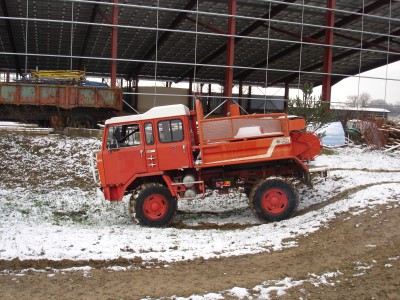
<point>361,100</point>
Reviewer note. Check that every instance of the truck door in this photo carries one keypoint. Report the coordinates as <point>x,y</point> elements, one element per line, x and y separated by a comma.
<point>173,144</point>
<point>123,156</point>
<point>152,161</point>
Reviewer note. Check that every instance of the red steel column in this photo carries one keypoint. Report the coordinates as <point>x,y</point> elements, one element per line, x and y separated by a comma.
<point>230,54</point>
<point>114,44</point>
<point>328,51</point>
<point>285,105</point>
<point>191,101</point>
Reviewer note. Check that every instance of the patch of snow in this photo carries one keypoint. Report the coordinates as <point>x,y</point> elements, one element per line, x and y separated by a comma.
<point>210,296</point>
<point>239,293</point>
<point>54,212</point>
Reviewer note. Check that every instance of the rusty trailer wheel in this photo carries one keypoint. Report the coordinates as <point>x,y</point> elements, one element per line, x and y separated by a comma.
<point>153,205</point>
<point>273,199</point>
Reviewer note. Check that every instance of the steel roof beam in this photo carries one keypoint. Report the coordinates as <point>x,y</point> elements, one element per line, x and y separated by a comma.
<point>346,20</point>
<point>11,36</point>
<point>338,57</point>
<point>88,32</point>
<point>205,25</point>
<point>307,39</point>
<point>164,37</point>
<point>105,17</point>
<point>276,10</point>
<point>370,44</point>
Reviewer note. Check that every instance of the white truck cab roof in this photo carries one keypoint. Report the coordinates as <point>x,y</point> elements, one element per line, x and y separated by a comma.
<point>153,113</point>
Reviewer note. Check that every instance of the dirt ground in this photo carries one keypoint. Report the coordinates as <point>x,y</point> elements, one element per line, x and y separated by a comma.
<point>365,249</point>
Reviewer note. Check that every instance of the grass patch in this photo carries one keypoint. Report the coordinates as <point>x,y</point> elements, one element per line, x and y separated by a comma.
<point>327,151</point>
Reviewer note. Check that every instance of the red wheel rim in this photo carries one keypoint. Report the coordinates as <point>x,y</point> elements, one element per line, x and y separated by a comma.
<point>274,201</point>
<point>155,207</point>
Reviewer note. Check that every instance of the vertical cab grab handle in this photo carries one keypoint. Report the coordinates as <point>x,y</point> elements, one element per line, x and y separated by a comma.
<point>184,148</point>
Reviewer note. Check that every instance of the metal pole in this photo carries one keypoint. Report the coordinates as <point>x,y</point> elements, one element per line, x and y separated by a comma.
<point>191,101</point>
<point>230,54</point>
<point>114,44</point>
<point>72,32</point>
<point>285,104</point>
<point>328,51</point>
<point>26,37</point>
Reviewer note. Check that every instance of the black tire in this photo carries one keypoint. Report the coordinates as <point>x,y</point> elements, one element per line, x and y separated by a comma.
<point>152,205</point>
<point>273,199</point>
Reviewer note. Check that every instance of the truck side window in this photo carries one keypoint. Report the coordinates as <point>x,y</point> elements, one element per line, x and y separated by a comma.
<point>170,131</point>
<point>148,130</point>
<point>123,136</point>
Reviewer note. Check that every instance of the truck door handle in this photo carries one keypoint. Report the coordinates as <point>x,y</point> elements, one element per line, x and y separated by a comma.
<point>141,153</point>
<point>184,148</point>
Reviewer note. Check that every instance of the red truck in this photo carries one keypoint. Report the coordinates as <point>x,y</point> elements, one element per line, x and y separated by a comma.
<point>171,153</point>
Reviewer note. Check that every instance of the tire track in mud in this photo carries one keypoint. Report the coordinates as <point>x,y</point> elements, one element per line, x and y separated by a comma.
<point>13,265</point>
<point>32,265</point>
<point>365,170</point>
<point>50,265</point>
<point>342,195</point>
<point>232,226</point>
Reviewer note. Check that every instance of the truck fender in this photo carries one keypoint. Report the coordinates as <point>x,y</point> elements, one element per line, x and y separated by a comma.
<point>167,181</point>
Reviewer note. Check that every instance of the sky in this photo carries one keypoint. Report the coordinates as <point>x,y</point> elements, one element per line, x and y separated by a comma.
<point>378,88</point>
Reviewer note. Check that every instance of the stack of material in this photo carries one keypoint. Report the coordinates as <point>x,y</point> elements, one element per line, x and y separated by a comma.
<point>60,74</point>
<point>371,134</point>
<point>55,77</point>
<point>25,128</point>
<point>368,131</point>
<point>392,132</point>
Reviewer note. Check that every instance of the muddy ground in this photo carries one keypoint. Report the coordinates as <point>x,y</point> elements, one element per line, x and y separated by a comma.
<point>363,249</point>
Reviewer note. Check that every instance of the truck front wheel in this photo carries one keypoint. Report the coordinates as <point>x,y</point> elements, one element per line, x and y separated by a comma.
<point>273,199</point>
<point>152,205</point>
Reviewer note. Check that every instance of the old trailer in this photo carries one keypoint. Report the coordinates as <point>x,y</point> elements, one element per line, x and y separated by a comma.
<point>58,105</point>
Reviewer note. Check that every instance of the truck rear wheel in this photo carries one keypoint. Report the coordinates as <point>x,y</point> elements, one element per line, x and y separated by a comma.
<point>152,205</point>
<point>273,199</point>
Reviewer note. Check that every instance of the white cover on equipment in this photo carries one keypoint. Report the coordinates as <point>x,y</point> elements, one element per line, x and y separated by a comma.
<point>332,134</point>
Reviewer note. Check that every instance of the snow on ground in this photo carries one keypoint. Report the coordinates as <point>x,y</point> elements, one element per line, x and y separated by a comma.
<point>269,289</point>
<point>49,207</point>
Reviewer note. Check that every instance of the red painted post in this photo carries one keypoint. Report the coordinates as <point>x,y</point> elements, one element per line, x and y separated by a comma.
<point>114,44</point>
<point>285,105</point>
<point>230,55</point>
<point>241,93</point>
<point>249,100</point>
<point>191,101</point>
<point>328,51</point>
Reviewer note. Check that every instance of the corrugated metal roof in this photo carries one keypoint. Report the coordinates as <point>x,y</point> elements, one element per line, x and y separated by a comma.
<point>50,34</point>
